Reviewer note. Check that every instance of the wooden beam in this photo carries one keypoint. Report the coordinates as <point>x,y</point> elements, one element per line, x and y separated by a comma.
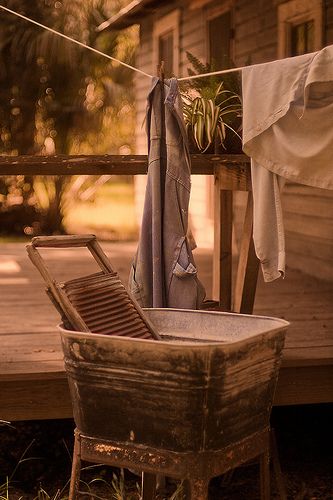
<point>233,176</point>
<point>36,399</point>
<point>226,180</point>
<point>226,218</point>
<point>73,165</point>
<point>222,256</point>
<point>304,385</point>
<point>234,167</point>
<point>248,266</point>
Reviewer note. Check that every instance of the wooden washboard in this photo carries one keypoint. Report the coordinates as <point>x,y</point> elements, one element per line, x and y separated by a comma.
<point>97,303</point>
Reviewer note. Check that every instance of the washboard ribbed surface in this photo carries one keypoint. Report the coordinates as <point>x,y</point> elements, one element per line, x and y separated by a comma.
<point>97,303</point>
<point>105,306</point>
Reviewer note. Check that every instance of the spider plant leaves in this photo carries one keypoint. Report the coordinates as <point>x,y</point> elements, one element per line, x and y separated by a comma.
<point>209,119</point>
<point>198,131</point>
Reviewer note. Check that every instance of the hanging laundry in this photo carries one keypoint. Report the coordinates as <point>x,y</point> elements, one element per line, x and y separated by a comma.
<point>288,133</point>
<point>164,273</point>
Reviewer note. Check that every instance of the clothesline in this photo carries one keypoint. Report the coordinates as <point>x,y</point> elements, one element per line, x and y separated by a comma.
<point>103,54</point>
<point>213,73</point>
<point>55,32</point>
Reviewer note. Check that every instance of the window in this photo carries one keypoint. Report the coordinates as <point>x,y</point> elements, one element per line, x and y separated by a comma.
<point>300,27</point>
<point>219,39</point>
<point>166,43</point>
<point>301,38</point>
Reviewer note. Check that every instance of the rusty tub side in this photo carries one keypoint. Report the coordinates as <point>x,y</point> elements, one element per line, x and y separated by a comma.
<point>242,383</point>
<point>243,369</point>
<point>184,393</point>
<point>130,390</point>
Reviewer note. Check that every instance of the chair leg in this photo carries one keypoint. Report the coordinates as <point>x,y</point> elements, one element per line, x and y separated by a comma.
<point>76,468</point>
<point>264,476</point>
<point>148,486</point>
<point>196,489</point>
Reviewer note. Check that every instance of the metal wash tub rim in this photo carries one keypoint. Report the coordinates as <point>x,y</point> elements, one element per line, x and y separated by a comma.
<point>174,341</point>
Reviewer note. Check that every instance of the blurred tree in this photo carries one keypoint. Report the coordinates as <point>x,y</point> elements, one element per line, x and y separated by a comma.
<point>59,98</point>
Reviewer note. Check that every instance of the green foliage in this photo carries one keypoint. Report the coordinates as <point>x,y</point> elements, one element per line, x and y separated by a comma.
<point>116,489</point>
<point>58,98</point>
<point>205,86</point>
<point>102,486</point>
<point>211,107</point>
<point>4,490</point>
<point>6,487</point>
<point>43,495</point>
<point>179,493</point>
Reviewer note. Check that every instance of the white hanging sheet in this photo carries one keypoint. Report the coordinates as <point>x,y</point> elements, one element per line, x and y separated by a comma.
<point>287,132</point>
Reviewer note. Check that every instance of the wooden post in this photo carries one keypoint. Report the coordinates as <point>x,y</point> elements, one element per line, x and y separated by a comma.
<point>197,489</point>
<point>248,266</point>
<point>76,468</point>
<point>228,180</point>
<point>148,486</point>
<point>264,476</point>
<point>222,256</point>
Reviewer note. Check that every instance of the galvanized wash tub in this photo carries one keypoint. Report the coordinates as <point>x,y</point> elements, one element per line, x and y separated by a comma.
<point>209,383</point>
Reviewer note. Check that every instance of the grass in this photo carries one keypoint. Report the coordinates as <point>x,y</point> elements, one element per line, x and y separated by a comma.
<point>97,488</point>
<point>6,487</point>
<point>112,211</point>
<point>100,485</point>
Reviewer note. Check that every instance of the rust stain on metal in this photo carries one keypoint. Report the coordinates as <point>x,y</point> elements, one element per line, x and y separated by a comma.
<point>106,448</point>
<point>193,405</point>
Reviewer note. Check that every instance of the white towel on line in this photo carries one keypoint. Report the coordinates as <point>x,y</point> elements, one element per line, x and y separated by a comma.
<point>288,133</point>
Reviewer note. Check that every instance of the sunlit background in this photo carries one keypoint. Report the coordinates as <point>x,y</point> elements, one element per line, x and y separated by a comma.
<point>58,98</point>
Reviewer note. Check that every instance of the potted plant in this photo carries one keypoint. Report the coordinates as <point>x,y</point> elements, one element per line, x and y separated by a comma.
<point>212,111</point>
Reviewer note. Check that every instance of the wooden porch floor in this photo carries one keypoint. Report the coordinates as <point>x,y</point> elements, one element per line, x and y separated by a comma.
<point>32,378</point>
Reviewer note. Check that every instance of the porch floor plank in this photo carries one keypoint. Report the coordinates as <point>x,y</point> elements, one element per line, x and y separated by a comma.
<point>32,378</point>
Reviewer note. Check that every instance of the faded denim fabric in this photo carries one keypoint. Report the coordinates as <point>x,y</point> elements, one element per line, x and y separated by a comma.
<point>164,273</point>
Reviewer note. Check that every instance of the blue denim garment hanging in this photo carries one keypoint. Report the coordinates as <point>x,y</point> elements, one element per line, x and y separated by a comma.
<point>164,273</point>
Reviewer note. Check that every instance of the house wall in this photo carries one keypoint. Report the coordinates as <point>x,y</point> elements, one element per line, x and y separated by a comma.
<point>308,211</point>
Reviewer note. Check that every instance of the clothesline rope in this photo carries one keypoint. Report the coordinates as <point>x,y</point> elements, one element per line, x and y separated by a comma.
<point>212,73</point>
<point>103,54</point>
<point>74,41</point>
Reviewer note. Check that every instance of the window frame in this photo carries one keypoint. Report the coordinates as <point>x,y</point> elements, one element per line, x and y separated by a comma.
<point>212,13</point>
<point>296,12</point>
<point>162,26</point>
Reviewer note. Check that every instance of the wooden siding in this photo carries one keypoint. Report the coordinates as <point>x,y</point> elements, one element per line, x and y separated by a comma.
<point>308,212</point>
<point>308,215</point>
<point>192,37</point>
<point>142,83</point>
<point>255,32</point>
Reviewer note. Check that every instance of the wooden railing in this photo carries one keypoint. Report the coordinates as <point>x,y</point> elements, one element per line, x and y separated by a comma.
<point>114,164</point>
<point>231,173</point>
